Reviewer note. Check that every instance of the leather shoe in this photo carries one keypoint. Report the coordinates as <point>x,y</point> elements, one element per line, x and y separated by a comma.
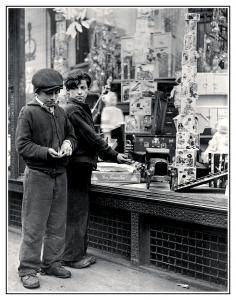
<point>58,271</point>
<point>30,281</point>
<point>92,258</point>
<point>84,262</point>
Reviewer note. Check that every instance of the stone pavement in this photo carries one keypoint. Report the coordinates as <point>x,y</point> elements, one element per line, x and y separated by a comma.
<point>110,274</point>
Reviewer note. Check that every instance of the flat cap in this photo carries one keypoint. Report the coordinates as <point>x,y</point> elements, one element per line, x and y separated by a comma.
<point>47,79</point>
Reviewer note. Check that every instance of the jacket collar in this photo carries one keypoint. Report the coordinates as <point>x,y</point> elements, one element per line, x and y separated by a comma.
<point>75,102</point>
<point>35,102</point>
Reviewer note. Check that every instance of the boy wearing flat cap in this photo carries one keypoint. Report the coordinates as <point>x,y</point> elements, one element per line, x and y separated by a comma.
<point>44,138</point>
<point>82,162</point>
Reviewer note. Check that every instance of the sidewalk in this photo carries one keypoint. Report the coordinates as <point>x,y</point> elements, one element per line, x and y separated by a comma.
<point>110,274</point>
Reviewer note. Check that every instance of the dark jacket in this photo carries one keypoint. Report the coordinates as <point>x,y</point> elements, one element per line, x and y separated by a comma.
<point>90,144</point>
<point>37,130</point>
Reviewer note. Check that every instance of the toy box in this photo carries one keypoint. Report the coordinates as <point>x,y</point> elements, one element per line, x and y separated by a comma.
<point>185,175</point>
<point>187,123</point>
<point>140,106</point>
<point>132,123</point>
<point>115,177</point>
<point>186,140</point>
<point>188,106</point>
<point>190,42</point>
<point>185,158</point>
<point>189,73</point>
<point>191,27</point>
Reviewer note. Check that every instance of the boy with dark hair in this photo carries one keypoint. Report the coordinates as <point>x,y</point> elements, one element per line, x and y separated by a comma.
<point>82,162</point>
<point>43,128</point>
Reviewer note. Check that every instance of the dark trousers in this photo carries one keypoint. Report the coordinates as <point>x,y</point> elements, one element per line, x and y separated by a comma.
<point>43,221</point>
<point>79,184</point>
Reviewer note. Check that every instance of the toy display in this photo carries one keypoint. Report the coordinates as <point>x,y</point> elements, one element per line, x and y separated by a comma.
<point>132,124</point>
<point>191,27</point>
<point>186,140</point>
<point>192,16</point>
<point>148,88</point>
<point>193,58</point>
<point>185,57</point>
<point>143,52</point>
<point>140,106</point>
<point>184,88</point>
<point>187,123</point>
<point>185,158</point>
<point>190,42</point>
<point>126,90</point>
<point>145,123</point>
<point>189,73</point>
<point>188,106</point>
<point>113,172</point>
<point>144,71</point>
<point>186,175</point>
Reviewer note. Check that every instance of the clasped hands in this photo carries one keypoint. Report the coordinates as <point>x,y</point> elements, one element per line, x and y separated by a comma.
<point>65,150</point>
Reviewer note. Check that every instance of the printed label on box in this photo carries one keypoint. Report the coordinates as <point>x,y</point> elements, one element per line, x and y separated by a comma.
<point>188,106</point>
<point>185,158</point>
<point>140,106</point>
<point>191,27</point>
<point>132,123</point>
<point>189,73</point>
<point>115,177</point>
<point>186,174</point>
<point>187,140</point>
<point>190,42</point>
<point>187,123</point>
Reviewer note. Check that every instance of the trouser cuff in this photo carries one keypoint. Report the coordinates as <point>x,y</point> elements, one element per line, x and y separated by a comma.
<point>24,272</point>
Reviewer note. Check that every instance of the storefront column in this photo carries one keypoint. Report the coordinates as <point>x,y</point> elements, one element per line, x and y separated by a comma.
<point>16,78</point>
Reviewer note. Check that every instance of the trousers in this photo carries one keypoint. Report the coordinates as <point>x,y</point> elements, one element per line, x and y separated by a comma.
<point>79,185</point>
<point>43,221</point>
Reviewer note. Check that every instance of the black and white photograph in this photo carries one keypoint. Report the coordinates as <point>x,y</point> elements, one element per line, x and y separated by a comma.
<point>112,189</point>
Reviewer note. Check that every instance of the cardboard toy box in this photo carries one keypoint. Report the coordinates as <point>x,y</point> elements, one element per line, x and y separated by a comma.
<point>115,177</point>
<point>113,172</point>
<point>185,158</point>
<point>186,140</point>
<point>187,123</point>
<point>186,175</point>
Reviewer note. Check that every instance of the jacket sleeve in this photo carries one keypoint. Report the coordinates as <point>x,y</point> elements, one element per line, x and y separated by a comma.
<point>23,141</point>
<point>70,134</point>
<point>79,121</point>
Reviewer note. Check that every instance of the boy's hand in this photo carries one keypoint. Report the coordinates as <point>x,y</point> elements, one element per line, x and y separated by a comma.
<point>65,149</point>
<point>53,153</point>
<point>122,158</point>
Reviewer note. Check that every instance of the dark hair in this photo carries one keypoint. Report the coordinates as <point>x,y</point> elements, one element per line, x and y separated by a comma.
<point>74,79</point>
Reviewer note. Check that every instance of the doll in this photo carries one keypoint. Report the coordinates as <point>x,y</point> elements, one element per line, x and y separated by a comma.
<point>176,91</point>
<point>219,141</point>
<point>112,117</point>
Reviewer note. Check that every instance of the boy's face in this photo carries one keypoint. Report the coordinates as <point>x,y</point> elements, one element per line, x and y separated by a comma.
<point>49,98</point>
<point>80,93</point>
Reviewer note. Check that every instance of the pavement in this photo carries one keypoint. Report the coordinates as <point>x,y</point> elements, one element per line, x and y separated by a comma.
<point>110,274</point>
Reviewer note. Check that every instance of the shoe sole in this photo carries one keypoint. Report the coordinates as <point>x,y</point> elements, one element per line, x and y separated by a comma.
<point>31,287</point>
<point>64,277</point>
<point>47,274</point>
